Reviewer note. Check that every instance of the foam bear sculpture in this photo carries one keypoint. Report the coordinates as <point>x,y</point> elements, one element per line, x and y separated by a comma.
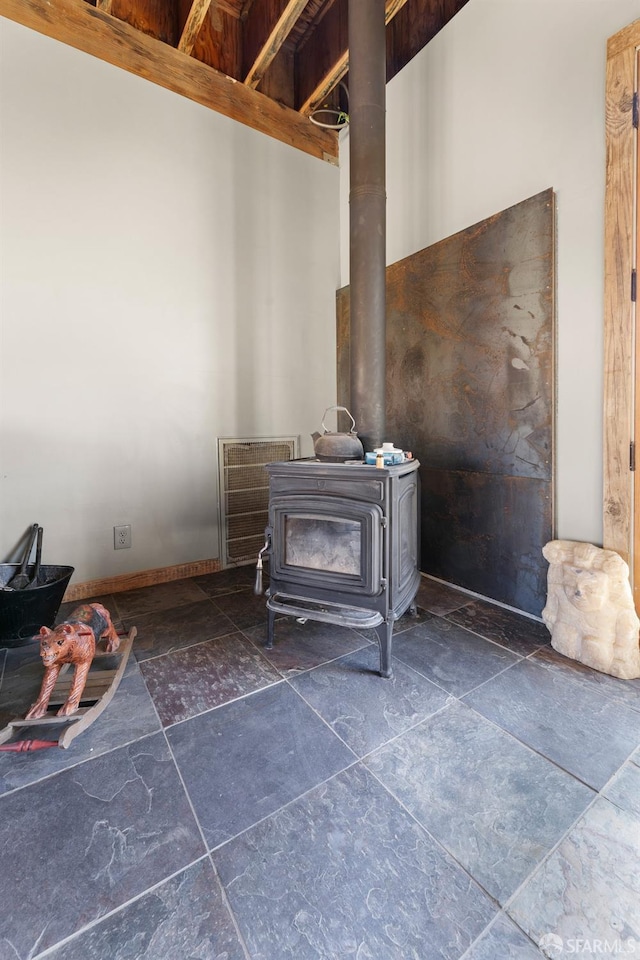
<point>590,611</point>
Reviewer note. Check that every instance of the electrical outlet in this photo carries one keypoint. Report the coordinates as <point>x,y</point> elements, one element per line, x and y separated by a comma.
<point>122,537</point>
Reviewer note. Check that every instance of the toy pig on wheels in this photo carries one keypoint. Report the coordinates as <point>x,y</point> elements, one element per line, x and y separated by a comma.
<point>73,641</point>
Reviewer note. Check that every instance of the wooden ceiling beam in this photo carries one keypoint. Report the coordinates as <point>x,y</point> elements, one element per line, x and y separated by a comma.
<point>195,18</point>
<point>86,28</point>
<point>267,26</point>
<point>324,59</point>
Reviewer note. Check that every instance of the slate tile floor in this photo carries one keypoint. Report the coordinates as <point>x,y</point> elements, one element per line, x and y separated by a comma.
<point>238,803</point>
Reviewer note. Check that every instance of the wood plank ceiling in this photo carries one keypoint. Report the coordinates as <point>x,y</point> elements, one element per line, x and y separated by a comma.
<point>271,64</point>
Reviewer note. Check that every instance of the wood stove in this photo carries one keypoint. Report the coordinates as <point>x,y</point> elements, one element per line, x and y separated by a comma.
<point>343,537</point>
<point>342,543</point>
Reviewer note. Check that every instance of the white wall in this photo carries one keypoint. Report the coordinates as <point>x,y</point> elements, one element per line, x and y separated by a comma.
<point>506,101</point>
<point>167,277</point>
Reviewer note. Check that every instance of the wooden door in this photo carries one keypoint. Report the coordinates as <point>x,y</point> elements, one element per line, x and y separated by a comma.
<point>636,448</point>
<point>621,486</point>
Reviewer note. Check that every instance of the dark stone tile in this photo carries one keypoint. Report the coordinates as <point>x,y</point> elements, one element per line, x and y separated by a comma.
<point>190,681</point>
<point>247,759</point>
<point>518,807</point>
<point>406,622</point>
<point>579,730</point>
<point>79,844</point>
<point>227,581</point>
<point>451,656</point>
<point>624,791</point>
<point>345,872</point>
<point>364,709</point>
<point>19,643</point>
<point>21,681</point>
<point>301,646</point>
<point>185,917</point>
<point>503,941</point>
<point>168,630</point>
<point>130,716</point>
<point>440,598</point>
<point>589,888</point>
<point>161,596</point>
<point>511,630</point>
<point>625,692</point>
<point>243,608</point>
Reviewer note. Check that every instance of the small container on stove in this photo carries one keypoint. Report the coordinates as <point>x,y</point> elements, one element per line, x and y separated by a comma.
<point>390,455</point>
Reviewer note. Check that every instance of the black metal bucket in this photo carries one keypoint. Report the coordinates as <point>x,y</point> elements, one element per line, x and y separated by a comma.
<point>23,612</point>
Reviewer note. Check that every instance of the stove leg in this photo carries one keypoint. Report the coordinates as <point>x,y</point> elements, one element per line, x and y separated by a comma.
<point>384,632</point>
<point>413,609</point>
<point>271,619</point>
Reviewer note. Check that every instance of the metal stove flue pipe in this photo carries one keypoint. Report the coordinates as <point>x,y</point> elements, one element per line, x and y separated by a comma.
<point>367,218</point>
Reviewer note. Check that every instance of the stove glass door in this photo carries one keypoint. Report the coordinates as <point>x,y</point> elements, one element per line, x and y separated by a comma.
<point>321,543</point>
<point>327,542</point>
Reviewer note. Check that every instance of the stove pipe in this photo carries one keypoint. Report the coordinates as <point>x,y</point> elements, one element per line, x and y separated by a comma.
<point>367,218</point>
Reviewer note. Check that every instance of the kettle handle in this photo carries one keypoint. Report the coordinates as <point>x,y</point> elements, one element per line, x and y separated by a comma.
<point>353,423</point>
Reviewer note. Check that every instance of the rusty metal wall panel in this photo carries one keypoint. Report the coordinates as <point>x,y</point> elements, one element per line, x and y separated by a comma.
<point>470,390</point>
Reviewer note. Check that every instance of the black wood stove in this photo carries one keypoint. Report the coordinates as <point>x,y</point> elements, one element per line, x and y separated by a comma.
<point>342,543</point>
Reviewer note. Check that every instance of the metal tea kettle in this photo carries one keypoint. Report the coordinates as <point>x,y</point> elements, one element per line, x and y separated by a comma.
<point>337,447</point>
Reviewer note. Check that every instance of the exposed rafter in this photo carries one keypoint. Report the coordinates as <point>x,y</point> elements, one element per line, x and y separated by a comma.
<point>328,82</point>
<point>195,19</point>
<point>279,24</point>
<point>332,36</point>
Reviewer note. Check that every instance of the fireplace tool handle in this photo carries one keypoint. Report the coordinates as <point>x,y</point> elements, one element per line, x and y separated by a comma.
<point>257,589</point>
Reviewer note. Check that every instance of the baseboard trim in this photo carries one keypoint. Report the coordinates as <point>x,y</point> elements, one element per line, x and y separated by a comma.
<point>143,578</point>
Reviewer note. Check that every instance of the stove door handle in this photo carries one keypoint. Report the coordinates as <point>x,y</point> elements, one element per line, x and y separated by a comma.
<point>257,589</point>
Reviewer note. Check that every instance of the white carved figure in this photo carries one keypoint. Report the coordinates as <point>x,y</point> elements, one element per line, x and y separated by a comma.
<point>590,612</point>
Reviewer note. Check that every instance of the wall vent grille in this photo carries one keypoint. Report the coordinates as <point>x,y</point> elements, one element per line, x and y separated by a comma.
<point>244,492</point>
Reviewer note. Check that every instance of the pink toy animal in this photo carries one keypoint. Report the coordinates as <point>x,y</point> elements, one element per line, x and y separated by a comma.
<point>73,641</point>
